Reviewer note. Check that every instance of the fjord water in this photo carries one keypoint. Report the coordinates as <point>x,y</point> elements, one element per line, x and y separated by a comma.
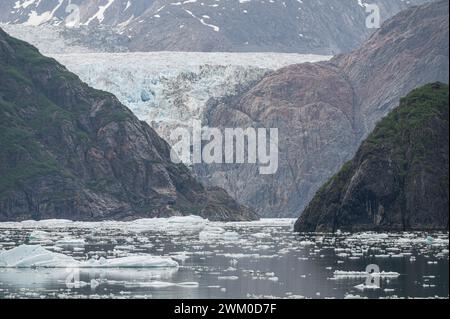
<point>226,260</point>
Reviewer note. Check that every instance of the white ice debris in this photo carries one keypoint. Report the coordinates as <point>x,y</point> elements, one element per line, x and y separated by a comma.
<point>186,224</point>
<point>215,233</point>
<point>367,287</point>
<point>228,278</point>
<point>339,274</point>
<point>35,256</point>
<point>306,243</point>
<point>71,242</point>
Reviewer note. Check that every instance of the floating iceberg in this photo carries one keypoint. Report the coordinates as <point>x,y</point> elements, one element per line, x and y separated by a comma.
<point>29,256</point>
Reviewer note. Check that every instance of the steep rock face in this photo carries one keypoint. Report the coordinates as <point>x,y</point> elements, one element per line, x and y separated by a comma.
<point>398,179</point>
<point>409,51</point>
<point>69,151</point>
<point>324,110</point>
<point>306,127</point>
<point>325,27</point>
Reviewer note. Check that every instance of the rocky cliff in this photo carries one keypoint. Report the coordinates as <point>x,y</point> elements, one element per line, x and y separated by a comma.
<point>398,179</point>
<point>324,110</point>
<point>69,151</point>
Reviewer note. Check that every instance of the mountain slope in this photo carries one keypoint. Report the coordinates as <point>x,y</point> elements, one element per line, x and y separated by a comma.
<point>398,179</point>
<point>69,151</point>
<point>324,110</point>
<point>324,27</point>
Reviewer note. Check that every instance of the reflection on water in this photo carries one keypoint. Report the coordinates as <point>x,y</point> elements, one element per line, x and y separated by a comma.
<point>227,260</point>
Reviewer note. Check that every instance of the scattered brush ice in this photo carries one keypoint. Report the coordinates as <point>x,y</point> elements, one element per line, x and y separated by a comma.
<point>227,278</point>
<point>339,274</point>
<point>307,243</point>
<point>261,235</point>
<point>184,224</point>
<point>35,256</point>
<point>367,287</point>
<point>144,261</point>
<point>350,296</point>
<point>215,233</point>
<point>161,284</point>
<point>71,242</point>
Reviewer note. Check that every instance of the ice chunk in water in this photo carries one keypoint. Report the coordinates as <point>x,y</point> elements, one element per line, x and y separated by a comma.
<point>26,256</point>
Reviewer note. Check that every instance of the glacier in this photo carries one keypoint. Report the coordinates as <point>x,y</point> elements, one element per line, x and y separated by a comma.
<point>172,89</point>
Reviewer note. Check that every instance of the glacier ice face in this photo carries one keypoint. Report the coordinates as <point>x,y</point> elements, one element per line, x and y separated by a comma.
<point>172,89</point>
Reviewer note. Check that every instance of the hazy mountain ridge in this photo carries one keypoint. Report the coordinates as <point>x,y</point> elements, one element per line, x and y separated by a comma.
<point>305,26</point>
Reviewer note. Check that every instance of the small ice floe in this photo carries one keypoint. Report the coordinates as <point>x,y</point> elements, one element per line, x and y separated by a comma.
<point>35,256</point>
<point>161,284</point>
<point>367,287</point>
<point>261,235</point>
<point>228,278</point>
<point>306,243</point>
<point>339,274</point>
<point>350,296</point>
<point>71,242</point>
<point>428,286</point>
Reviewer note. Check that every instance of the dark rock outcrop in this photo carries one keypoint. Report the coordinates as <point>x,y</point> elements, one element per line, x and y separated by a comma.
<point>398,179</point>
<point>325,110</point>
<point>69,151</point>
